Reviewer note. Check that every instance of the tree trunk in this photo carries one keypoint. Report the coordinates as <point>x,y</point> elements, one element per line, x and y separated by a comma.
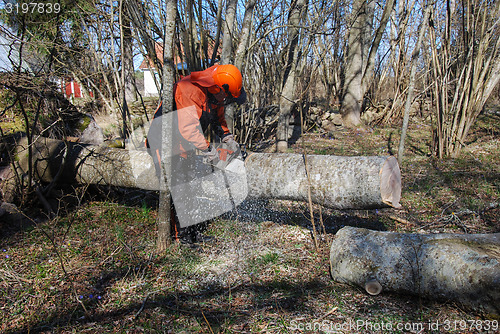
<point>360,60</point>
<point>127,59</point>
<point>374,45</point>
<point>227,38</point>
<point>336,182</point>
<point>457,267</point>
<point>246,31</point>
<point>288,92</point>
<point>352,96</point>
<point>217,34</point>
<point>227,52</point>
<point>411,85</point>
<point>165,203</point>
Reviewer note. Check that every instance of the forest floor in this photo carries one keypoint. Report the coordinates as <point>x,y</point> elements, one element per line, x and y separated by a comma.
<point>94,268</point>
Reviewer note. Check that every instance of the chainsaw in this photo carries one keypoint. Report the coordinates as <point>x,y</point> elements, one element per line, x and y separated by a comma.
<point>229,159</point>
<point>219,186</point>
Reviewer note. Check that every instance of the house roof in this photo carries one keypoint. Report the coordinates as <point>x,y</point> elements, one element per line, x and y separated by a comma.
<point>159,54</point>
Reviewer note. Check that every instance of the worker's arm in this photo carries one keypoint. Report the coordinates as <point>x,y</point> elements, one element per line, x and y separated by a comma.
<point>222,121</point>
<point>189,100</point>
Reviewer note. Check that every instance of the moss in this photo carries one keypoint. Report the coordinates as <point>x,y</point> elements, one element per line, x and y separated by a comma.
<point>84,123</point>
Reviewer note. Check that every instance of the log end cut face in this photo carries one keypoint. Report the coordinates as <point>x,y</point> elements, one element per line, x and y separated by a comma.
<point>390,182</point>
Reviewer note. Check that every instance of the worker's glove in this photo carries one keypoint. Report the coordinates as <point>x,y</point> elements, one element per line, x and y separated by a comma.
<point>210,155</point>
<point>231,143</point>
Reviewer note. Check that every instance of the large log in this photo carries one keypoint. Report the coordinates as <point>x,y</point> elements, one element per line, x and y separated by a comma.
<point>458,267</point>
<point>72,162</point>
<point>335,182</point>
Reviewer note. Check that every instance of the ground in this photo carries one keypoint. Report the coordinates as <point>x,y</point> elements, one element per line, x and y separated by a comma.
<point>94,268</point>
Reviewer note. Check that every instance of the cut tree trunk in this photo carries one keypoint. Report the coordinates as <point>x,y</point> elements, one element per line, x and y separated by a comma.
<point>457,267</point>
<point>336,182</point>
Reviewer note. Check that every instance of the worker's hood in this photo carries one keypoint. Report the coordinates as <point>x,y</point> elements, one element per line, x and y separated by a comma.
<point>203,78</point>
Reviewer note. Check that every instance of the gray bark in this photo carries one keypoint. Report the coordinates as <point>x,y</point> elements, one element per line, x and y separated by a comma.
<point>360,60</point>
<point>411,85</point>
<point>288,92</point>
<point>241,50</point>
<point>227,52</point>
<point>227,38</point>
<point>336,182</point>
<point>370,59</point>
<point>456,267</point>
<point>164,217</point>
<point>352,96</point>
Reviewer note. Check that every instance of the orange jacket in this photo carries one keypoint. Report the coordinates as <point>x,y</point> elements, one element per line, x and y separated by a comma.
<point>194,108</point>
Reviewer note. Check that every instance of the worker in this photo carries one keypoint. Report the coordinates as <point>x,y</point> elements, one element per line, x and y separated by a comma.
<point>199,104</point>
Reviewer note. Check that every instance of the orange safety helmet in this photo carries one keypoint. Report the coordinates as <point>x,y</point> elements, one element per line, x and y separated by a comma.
<point>229,75</point>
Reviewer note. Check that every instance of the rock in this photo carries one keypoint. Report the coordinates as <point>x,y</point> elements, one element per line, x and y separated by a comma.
<point>91,133</point>
<point>328,126</point>
<point>368,116</point>
<point>10,213</point>
<point>315,111</point>
<point>336,119</point>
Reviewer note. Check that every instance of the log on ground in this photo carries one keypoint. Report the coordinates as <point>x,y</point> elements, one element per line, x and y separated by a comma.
<point>335,182</point>
<point>462,268</point>
<point>69,162</point>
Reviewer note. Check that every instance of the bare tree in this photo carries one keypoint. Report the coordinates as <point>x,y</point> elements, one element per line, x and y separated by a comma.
<point>298,9</point>
<point>400,36</point>
<point>465,68</point>
<point>411,85</point>
<point>228,35</point>
<point>360,59</point>
<point>227,52</point>
<point>164,210</point>
<point>128,78</point>
<point>245,34</point>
